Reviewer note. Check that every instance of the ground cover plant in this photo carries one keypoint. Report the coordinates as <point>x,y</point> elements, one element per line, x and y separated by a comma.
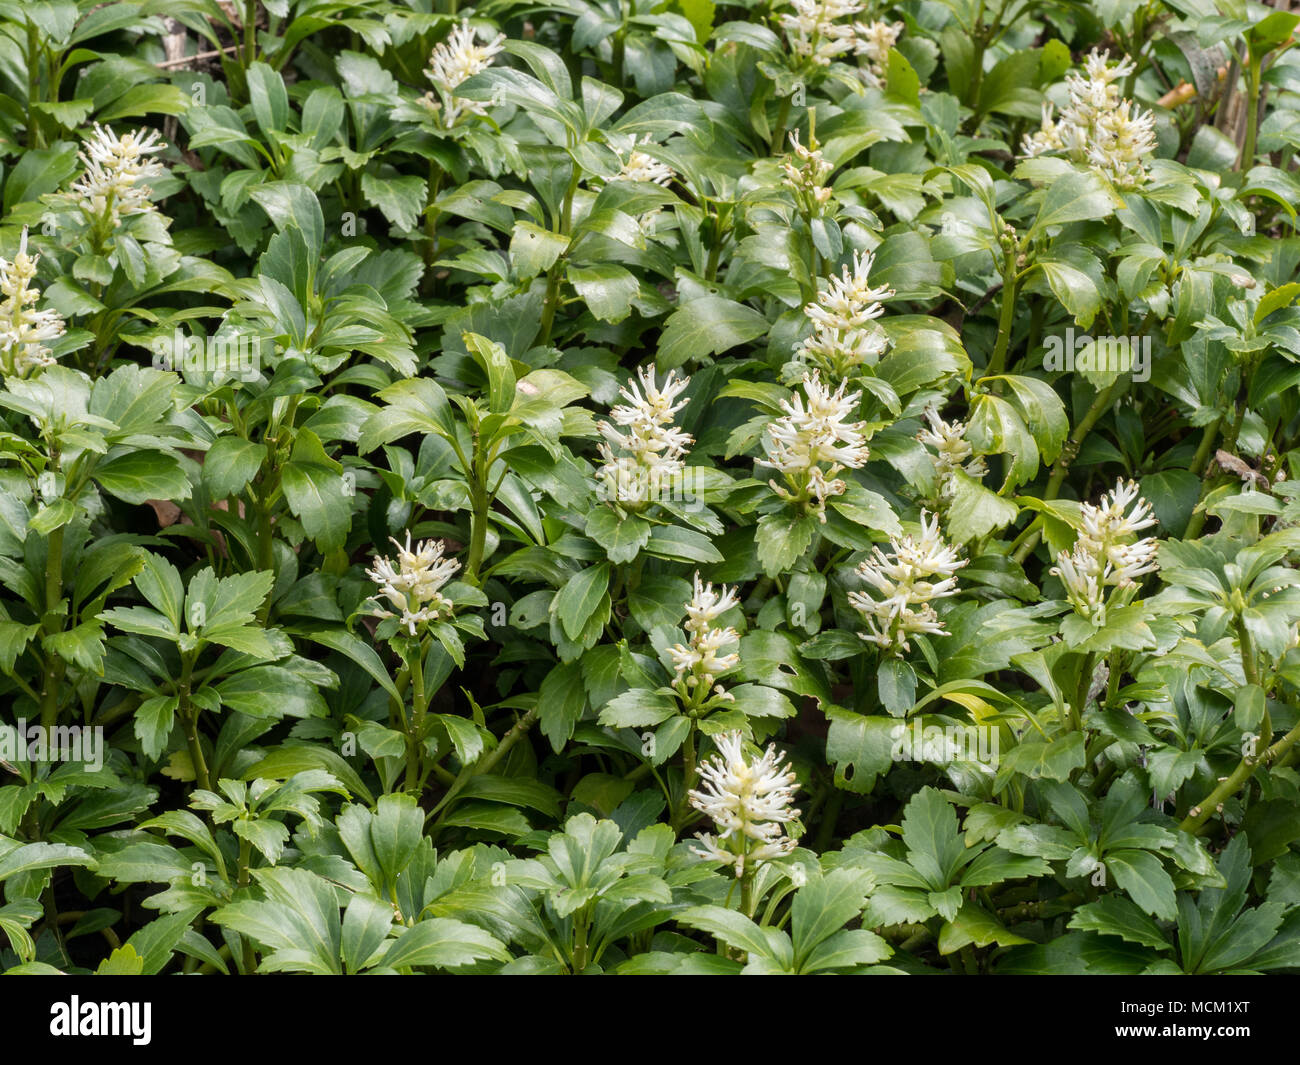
<point>649,487</point>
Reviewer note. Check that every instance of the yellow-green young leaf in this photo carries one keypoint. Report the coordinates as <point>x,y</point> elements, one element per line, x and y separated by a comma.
<point>1282,296</point>
<point>124,961</point>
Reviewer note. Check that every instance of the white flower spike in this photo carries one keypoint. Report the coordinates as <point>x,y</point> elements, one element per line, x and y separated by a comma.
<point>414,585</point>
<point>456,60</point>
<point>111,188</point>
<point>904,579</point>
<point>23,329</point>
<point>652,447</point>
<point>750,802</point>
<point>815,430</point>
<point>1097,127</point>
<point>698,663</point>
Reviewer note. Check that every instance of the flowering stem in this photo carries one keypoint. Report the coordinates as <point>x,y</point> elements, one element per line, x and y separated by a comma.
<point>553,275</point>
<point>415,735</point>
<point>249,52</point>
<point>1252,114</point>
<point>688,778</point>
<point>778,129</point>
<point>479,504</point>
<point>53,623</point>
<point>1006,318</point>
<point>189,714</point>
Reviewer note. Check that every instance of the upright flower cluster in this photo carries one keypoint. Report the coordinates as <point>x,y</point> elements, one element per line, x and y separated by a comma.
<point>110,189</point>
<point>1106,553</point>
<point>811,444</point>
<point>814,33</point>
<point>639,166</point>
<point>874,40</point>
<point>698,663</point>
<point>642,461</point>
<point>952,450</point>
<point>806,171</point>
<point>24,329</point>
<point>1097,127</point>
<point>455,60</point>
<point>844,334</point>
<point>414,585</point>
<point>905,577</point>
<point>749,802</point>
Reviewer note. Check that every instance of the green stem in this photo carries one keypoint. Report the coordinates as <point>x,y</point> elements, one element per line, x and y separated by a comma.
<point>1006,318</point>
<point>245,859</point>
<point>778,130</point>
<point>580,929</point>
<point>689,772</point>
<point>249,52</point>
<point>1252,115</point>
<point>553,275</point>
<point>415,739</point>
<point>1231,784</point>
<point>189,715</point>
<point>488,762</point>
<point>53,623</point>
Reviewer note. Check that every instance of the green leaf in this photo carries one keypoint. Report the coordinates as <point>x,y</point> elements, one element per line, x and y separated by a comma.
<point>269,99</point>
<point>230,464</point>
<point>32,856</point>
<point>534,250</point>
<point>975,511</point>
<point>578,599</point>
<point>607,288</point>
<point>1114,915</point>
<point>732,928</point>
<point>706,325</point>
<point>154,719</point>
<point>782,539</point>
<point>1141,875</point>
<point>443,943</point>
<point>138,476</point>
<point>622,537</point>
<point>1077,196</point>
<point>271,691</point>
<point>636,708</point>
<point>560,703</point>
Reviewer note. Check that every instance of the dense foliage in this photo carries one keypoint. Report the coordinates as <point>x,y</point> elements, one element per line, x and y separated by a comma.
<point>649,486</point>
